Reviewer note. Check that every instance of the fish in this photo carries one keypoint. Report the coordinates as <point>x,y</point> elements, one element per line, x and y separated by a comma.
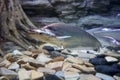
<point>68,36</point>
<point>108,37</point>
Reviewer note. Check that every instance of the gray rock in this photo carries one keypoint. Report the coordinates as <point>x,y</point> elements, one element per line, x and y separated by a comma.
<point>111,59</point>
<point>104,76</point>
<point>7,72</point>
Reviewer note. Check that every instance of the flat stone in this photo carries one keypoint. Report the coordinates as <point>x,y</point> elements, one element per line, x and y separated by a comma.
<point>92,77</point>
<point>75,60</point>
<point>107,69</point>
<point>49,48</point>
<point>88,64</point>
<point>46,70</point>
<point>5,63</point>
<point>111,59</point>
<point>36,63</point>
<point>7,72</point>
<point>14,66</point>
<point>66,65</point>
<point>17,52</point>
<point>84,69</point>
<point>66,51</point>
<point>28,66</point>
<point>104,76</point>
<point>116,77</point>
<point>60,74</point>
<point>73,70</point>
<point>28,53</point>
<point>58,59</point>
<point>71,76</point>
<point>36,75</point>
<point>23,74</point>
<point>88,77</point>
<point>42,58</point>
<point>12,58</point>
<point>55,65</point>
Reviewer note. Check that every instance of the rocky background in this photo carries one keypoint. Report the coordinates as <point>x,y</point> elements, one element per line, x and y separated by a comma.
<point>83,13</point>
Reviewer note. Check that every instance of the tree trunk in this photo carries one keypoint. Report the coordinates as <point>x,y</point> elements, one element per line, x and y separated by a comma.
<point>14,24</point>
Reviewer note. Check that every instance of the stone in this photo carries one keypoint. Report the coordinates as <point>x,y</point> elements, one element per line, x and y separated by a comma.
<point>75,60</point>
<point>66,51</point>
<point>104,76</point>
<point>60,74</point>
<point>26,58</point>
<point>55,65</point>
<point>28,53</point>
<point>36,75</point>
<point>12,58</point>
<point>84,69</point>
<point>23,74</point>
<point>14,66</point>
<point>107,69</point>
<point>66,65</point>
<point>92,77</point>
<point>58,59</point>
<point>111,59</point>
<point>5,63</point>
<point>54,54</point>
<point>71,76</point>
<point>73,70</point>
<point>7,72</point>
<point>27,66</point>
<point>51,77</point>
<point>88,77</point>
<point>17,52</point>
<point>46,70</point>
<point>49,48</point>
<point>42,58</point>
<point>36,63</point>
<point>86,63</point>
<point>98,61</point>
<point>117,77</point>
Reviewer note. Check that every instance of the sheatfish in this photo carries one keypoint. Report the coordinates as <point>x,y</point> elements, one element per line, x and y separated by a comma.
<point>67,36</point>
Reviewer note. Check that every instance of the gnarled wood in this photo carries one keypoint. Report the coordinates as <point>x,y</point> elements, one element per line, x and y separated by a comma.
<point>14,24</point>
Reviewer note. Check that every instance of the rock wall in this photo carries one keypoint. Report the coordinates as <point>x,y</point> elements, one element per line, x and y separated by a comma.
<point>68,11</point>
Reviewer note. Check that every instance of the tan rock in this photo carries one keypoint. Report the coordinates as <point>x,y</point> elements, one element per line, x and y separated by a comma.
<point>46,70</point>
<point>55,65</point>
<point>73,70</point>
<point>21,62</point>
<point>71,76</point>
<point>28,53</point>
<point>86,63</point>
<point>42,58</point>
<point>66,65</point>
<point>84,69</point>
<point>23,74</point>
<point>10,57</point>
<point>5,63</point>
<point>92,77</point>
<point>36,63</point>
<point>36,75</point>
<point>75,60</point>
<point>58,59</point>
<point>14,66</point>
<point>26,58</point>
<point>28,66</point>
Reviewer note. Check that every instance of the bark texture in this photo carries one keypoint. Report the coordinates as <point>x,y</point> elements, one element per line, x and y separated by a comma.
<point>14,24</point>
